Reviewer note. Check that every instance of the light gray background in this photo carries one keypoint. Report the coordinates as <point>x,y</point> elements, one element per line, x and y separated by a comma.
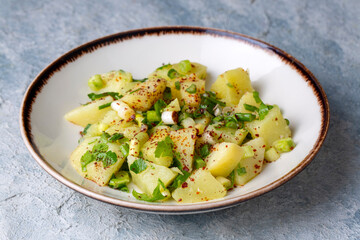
<point>322,202</point>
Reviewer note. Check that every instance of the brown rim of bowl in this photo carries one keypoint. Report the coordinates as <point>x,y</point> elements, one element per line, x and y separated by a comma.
<point>42,78</point>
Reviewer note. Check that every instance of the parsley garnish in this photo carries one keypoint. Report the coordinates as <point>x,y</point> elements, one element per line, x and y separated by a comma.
<point>232,179</point>
<point>85,160</point>
<point>125,149</point>
<point>138,165</point>
<point>98,153</point>
<point>205,150</point>
<point>115,137</point>
<point>164,148</point>
<point>156,195</point>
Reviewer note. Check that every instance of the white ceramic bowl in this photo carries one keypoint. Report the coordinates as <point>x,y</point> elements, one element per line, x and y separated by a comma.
<point>279,78</point>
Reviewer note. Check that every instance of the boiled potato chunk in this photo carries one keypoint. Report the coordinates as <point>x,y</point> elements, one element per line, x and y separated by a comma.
<point>199,187</point>
<point>117,81</point>
<point>144,95</point>
<point>147,180</point>
<point>231,85</point>
<point>249,167</point>
<point>191,98</point>
<point>273,127</point>
<point>149,148</point>
<point>247,98</point>
<point>95,170</point>
<point>198,69</point>
<point>224,157</point>
<point>226,134</point>
<point>89,113</point>
<point>184,144</point>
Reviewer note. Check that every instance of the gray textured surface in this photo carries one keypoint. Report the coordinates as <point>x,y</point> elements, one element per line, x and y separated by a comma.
<point>322,202</point>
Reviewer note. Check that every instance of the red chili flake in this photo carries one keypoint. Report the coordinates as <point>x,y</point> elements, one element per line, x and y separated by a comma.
<point>184,185</point>
<point>291,148</point>
<point>203,168</point>
<point>254,150</point>
<point>180,199</point>
<point>257,135</point>
<point>276,119</point>
<point>257,166</point>
<point>263,146</point>
<point>197,192</point>
<point>186,169</point>
<point>191,179</point>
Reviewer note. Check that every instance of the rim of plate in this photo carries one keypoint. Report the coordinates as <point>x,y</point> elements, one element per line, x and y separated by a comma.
<point>41,79</point>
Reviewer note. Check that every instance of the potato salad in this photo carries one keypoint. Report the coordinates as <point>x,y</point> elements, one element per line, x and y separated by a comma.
<point>165,137</point>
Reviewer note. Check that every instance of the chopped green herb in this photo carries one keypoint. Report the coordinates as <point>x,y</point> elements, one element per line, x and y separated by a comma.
<point>246,117</point>
<point>164,148</point>
<point>104,136</point>
<point>231,177</point>
<point>191,89</point>
<point>140,80</point>
<point>185,66</point>
<point>231,125</point>
<point>84,132</point>
<point>94,96</point>
<point>104,105</point>
<point>138,89</point>
<point>256,97</point>
<point>124,148</point>
<point>230,85</point>
<point>250,107</point>
<point>158,106</point>
<point>100,147</point>
<point>138,165</point>
<point>85,160</point>
<point>109,159</point>
<point>263,111</point>
<point>172,73</point>
<point>241,171</point>
<point>179,180</point>
<point>115,137</point>
<point>205,150</point>
<point>218,119</point>
<point>270,107</point>
<point>156,195</point>
<point>177,85</point>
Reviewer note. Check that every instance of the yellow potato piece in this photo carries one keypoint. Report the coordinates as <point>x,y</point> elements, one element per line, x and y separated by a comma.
<point>199,187</point>
<point>89,113</point>
<point>224,157</point>
<point>231,85</point>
